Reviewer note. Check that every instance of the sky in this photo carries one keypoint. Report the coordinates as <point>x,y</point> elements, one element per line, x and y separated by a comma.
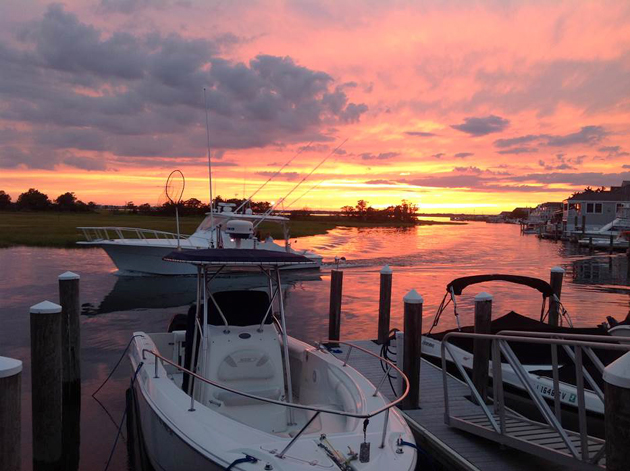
<point>453,105</point>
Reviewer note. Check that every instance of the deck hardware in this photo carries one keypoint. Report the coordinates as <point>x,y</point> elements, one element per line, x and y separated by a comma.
<point>268,467</point>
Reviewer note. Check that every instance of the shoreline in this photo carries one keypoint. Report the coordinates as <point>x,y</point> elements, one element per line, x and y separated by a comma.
<point>59,229</point>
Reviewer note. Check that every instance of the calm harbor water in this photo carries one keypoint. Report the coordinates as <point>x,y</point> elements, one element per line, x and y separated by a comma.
<point>425,258</point>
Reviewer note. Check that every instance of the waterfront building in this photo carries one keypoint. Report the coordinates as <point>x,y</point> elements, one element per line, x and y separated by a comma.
<point>596,207</point>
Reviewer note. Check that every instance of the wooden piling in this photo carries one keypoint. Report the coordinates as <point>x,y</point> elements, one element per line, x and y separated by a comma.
<point>10,413</point>
<point>617,413</point>
<point>481,348</point>
<point>46,376</point>
<point>590,244</point>
<point>557,274</point>
<point>384,304</point>
<point>334,313</point>
<point>412,347</point>
<point>612,244</point>
<point>70,337</point>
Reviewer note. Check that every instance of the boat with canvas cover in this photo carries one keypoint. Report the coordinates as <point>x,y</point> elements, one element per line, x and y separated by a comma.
<point>234,391</point>
<point>536,361</point>
<point>141,251</point>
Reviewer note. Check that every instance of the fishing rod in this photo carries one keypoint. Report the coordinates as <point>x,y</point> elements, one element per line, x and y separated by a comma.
<point>306,192</point>
<point>205,98</point>
<point>273,176</point>
<point>270,210</point>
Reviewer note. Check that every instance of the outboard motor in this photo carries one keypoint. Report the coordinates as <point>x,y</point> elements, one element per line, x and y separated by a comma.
<point>239,230</point>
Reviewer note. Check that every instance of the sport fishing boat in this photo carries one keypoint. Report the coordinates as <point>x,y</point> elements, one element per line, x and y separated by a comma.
<point>234,391</point>
<point>536,361</point>
<point>141,251</point>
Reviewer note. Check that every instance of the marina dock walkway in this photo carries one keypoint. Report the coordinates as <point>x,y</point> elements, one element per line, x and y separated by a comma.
<point>453,448</point>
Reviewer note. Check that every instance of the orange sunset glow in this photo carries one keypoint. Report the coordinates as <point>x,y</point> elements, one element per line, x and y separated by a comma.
<point>455,106</point>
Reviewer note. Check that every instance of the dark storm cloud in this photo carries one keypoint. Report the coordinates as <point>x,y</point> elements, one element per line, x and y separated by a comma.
<point>133,6</point>
<point>81,89</point>
<point>519,150</point>
<point>463,155</point>
<point>439,155</point>
<point>419,134</point>
<point>482,126</point>
<point>587,135</point>
<point>381,156</point>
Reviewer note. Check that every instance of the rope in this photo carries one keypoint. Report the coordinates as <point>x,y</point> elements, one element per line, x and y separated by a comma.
<point>117,365</point>
<point>122,420</point>
<point>400,442</point>
<point>247,459</point>
<point>385,352</point>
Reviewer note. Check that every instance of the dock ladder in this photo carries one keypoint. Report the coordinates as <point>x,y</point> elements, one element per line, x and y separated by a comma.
<point>547,439</point>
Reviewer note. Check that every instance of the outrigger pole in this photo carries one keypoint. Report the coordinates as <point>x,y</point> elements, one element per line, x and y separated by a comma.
<point>270,210</point>
<point>272,177</point>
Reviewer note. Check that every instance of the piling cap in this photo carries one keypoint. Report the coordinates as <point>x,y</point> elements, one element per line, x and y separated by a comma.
<point>618,372</point>
<point>483,296</point>
<point>557,270</point>
<point>45,307</point>
<point>412,297</point>
<point>68,276</point>
<point>9,367</point>
<point>386,270</point>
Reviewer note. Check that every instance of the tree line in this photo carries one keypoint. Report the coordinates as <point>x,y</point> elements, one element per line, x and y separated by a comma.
<point>403,212</point>
<point>35,200</point>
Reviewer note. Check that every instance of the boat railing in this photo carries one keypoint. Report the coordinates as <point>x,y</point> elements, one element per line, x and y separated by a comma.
<point>575,346</point>
<point>100,233</point>
<point>318,410</point>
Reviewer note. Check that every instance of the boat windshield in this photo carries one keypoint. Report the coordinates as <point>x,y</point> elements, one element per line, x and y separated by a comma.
<point>205,225</point>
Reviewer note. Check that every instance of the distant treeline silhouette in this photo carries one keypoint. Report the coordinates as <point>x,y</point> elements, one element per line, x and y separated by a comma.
<point>404,212</point>
<point>35,200</point>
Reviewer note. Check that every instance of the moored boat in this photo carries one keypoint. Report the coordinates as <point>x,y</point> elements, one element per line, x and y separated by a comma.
<point>536,361</point>
<point>234,391</point>
<point>141,251</point>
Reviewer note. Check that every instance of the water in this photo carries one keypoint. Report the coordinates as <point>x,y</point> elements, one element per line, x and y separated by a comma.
<point>424,258</point>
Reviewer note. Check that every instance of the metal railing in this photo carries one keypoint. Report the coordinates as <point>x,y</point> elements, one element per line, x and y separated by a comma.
<point>317,410</point>
<point>573,344</point>
<point>95,234</point>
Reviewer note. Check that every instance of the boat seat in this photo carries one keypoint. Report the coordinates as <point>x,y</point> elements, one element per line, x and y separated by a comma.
<point>247,360</point>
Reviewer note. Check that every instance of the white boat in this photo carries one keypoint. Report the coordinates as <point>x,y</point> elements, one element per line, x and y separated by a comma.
<point>140,251</point>
<point>618,229</point>
<point>249,397</point>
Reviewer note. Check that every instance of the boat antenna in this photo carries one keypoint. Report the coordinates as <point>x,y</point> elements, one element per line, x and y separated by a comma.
<point>205,99</point>
<point>174,189</point>
<point>270,210</point>
<point>272,177</point>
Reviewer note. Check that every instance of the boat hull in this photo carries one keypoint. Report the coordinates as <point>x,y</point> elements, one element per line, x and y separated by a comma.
<point>133,259</point>
<point>164,448</point>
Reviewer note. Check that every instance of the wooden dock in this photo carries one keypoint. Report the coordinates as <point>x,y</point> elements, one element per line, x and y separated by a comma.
<point>452,448</point>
